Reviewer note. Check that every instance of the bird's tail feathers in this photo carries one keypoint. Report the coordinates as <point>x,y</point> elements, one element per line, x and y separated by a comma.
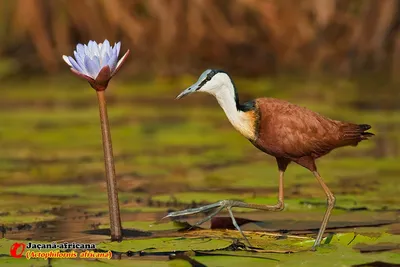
<point>354,133</point>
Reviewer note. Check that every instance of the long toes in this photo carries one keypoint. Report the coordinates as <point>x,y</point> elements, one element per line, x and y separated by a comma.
<point>193,211</point>
<point>209,217</point>
<point>237,226</point>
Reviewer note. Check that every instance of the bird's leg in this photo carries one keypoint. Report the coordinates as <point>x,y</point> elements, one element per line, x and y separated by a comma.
<point>229,204</point>
<point>331,203</point>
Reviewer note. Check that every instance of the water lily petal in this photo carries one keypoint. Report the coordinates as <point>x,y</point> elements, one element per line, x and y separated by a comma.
<point>117,47</point>
<point>74,64</point>
<point>97,62</point>
<point>67,60</point>
<point>89,79</point>
<point>120,62</point>
<point>112,63</point>
<point>80,60</point>
<point>80,56</point>
<point>80,48</point>
<point>96,49</point>
<point>92,66</point>
<point>105,49</point>
<point>90,52</point>
<point>105,60</point>
<point>87,51</point>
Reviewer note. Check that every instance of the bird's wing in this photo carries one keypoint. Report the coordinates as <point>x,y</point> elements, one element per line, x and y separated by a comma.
<point>298,132</point>
<point>306,133</point>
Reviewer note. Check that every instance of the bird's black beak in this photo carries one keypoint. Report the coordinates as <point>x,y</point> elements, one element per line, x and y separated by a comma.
<point>189,90</point>
<point>186,92</point>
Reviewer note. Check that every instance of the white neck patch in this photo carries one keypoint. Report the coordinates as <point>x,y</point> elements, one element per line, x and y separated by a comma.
<point>241,121</point>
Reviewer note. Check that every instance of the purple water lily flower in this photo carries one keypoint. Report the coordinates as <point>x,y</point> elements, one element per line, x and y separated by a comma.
<point>96,62</point>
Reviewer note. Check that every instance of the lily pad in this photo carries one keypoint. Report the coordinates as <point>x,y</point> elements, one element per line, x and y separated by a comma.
<point>166,244</point>
<point>5,245</point>
<point>351,239</point>
<point>359,242</point>
<point>341,256</point>
<point>22,262</point>
<point>233,260</point>
<point>264,241</point>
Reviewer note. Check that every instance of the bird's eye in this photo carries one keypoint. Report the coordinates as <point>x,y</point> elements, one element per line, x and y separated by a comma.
<point>208,78</point>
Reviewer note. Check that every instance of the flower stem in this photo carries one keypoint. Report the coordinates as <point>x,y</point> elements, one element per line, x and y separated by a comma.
<point>113,204</point>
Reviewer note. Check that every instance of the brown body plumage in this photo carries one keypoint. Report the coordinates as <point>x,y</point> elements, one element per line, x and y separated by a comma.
<point>281,129</point>
<point>288,131</point>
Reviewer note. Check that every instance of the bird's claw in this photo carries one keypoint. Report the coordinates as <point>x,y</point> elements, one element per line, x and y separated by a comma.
<point>220,205</point>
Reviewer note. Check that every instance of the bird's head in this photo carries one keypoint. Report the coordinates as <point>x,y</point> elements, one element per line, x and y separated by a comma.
<point>210,81</point>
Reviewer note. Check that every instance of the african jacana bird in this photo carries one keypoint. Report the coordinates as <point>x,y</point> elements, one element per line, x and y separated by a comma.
<point>281,129</point>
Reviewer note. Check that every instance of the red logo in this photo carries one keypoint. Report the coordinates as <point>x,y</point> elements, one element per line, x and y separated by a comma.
<point>14,249</point>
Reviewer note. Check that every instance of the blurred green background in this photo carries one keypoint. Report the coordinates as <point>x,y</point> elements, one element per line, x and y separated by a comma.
<point>337,57</point>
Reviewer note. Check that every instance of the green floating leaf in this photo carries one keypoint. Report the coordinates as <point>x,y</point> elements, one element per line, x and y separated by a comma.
<point>327,257</point>
<point>260,240</point>
<point>5,245</point>
<point>235,261</point>
<point>22,262</point>
<point>352,239</point>
<point>166,244</point>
